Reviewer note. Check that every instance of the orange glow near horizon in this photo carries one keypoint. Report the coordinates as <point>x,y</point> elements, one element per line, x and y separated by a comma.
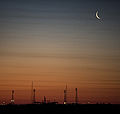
<point>96,79</point>
<point>88,91</point>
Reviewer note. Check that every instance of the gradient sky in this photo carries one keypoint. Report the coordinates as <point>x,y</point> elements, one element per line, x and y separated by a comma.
<point>59,42</point>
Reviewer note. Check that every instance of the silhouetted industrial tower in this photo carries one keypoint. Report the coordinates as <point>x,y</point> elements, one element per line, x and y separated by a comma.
<point>76,96</point>
<point>12,98</point>
<point>34,96</point>
<point>65,95</point>
<point>44,99</point>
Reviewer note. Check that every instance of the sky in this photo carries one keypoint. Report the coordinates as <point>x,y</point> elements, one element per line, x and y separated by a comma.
<point>59,42</point>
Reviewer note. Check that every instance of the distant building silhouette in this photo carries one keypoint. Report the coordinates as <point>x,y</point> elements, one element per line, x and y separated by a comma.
<point>12,98</point>
<point>34,96</point>
<point>65,95</point>
<point>44,99</point>
<point>76,96</point>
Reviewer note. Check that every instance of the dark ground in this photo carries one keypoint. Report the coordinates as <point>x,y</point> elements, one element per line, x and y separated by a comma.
<point>60,109</point>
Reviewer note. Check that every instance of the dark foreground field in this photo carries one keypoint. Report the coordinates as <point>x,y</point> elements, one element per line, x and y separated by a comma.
<point>60,109</point>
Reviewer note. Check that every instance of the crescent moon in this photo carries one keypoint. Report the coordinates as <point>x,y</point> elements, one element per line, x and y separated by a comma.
<point>97,15</point>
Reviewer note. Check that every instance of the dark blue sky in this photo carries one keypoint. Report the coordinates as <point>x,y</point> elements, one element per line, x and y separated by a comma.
<point>62,16</point>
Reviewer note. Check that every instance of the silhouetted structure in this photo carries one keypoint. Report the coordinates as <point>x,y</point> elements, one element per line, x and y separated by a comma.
<point>44,99</point>
<point>12,98</point>
<point>34,96</point>
<point>76,96</point>
<point>65,95</point>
